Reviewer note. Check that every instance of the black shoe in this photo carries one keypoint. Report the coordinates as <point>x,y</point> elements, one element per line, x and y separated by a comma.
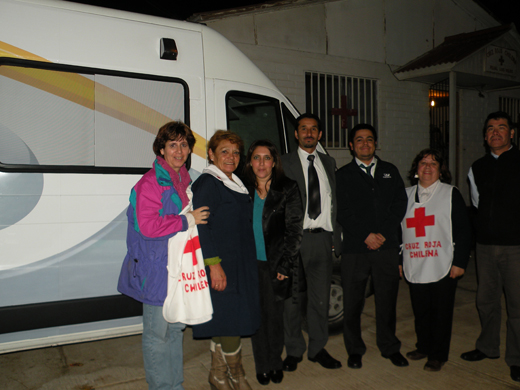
<point>276,376</point>
<point>325,360</point>
<point>263,378</point>
<point>515,373</point>
<point>476,355</point>
<point>416,355</point>
<point>397,359</point>
<point>291,363</point>
<point>433,365</point>
<point>354,361</point>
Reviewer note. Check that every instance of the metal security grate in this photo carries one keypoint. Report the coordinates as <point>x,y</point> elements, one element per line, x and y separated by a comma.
<point>440,117</point>
<point>512,107</point>
<point>341,102</point>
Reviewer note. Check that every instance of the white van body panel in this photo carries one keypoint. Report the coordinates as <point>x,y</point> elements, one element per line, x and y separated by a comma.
<point>63,227</point>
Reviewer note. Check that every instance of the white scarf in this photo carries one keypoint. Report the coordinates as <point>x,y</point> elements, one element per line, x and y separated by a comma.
<point>234,185</point>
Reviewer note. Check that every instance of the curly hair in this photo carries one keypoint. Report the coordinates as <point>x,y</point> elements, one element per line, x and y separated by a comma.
<point>223,135</point>
<point>173,131</point>
<point>445,175</point>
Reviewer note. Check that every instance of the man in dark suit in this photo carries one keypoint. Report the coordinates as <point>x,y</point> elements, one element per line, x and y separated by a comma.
<point>314,173</point>
<point>371,204</point>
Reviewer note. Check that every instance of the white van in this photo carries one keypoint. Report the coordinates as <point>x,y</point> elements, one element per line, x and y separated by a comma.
<point>83,91</point>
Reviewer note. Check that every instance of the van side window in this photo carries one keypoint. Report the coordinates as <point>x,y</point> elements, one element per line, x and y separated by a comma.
<point>79,117</point>
<point>255,117</point>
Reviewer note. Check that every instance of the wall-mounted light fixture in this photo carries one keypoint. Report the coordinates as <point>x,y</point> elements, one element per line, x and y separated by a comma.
<point>438,98</point>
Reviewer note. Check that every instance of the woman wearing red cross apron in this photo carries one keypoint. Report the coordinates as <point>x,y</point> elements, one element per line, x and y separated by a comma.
<point>436,246</point>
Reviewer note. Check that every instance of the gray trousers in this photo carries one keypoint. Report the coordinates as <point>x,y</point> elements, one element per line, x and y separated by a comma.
<point>316,252</point>
<point>498,271</point>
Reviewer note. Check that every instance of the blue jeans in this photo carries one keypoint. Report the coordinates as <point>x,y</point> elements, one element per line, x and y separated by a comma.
<point>162,350</point>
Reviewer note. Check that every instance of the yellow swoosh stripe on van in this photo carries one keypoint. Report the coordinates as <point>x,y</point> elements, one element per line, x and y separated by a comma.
<point>7,50</point>
<point>80,90</point>
<point>69,86</point>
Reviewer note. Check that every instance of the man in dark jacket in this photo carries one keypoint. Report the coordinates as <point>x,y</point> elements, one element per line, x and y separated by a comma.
<point>371,204</point>
<point>495,192</point>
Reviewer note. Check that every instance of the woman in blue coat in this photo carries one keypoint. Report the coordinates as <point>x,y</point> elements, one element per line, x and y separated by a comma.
<point>228,247</point>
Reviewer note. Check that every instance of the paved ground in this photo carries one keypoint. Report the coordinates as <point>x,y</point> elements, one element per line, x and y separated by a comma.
<point>117,364</point>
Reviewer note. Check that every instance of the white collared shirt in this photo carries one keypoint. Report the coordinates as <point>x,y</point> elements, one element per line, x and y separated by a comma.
<point>425,193</point>
<point>324,220</point>
<point>372,170</point>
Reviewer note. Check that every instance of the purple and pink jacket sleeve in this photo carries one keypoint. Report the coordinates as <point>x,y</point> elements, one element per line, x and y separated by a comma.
<point>148,211</point>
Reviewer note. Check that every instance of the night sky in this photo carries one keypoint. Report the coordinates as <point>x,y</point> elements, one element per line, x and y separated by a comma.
<point>504,10</point>
<point>173,9</point>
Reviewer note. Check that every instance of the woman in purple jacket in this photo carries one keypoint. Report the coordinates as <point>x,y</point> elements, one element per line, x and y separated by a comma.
<point>154,216</point>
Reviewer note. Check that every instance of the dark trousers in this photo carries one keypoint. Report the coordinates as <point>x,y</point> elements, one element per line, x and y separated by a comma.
<point>432,305</point>
<point>316,252</point>
<point>498,271</point>
<point>268,340</point>
<point>355,269</point>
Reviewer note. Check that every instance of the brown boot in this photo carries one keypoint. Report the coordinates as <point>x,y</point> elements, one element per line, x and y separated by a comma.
<point>218,374</point>
<point>236,371</point>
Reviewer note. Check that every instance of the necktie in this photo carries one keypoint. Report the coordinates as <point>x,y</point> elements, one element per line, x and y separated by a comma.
<point>367,169</point>
<point>313,191</point>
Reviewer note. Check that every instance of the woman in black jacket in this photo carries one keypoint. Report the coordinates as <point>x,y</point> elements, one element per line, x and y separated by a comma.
<point>278,228</point>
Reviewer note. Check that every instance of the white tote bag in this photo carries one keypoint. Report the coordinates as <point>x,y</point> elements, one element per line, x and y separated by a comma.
<point>188,299</point>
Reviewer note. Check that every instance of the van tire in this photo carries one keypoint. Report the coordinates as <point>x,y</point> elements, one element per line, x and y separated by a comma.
<point>335,306</point>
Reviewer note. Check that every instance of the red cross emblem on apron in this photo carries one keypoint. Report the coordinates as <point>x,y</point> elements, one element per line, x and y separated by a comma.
<point>420,221</point>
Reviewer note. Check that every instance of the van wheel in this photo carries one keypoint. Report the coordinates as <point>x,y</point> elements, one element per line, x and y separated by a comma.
<point>335,306</point>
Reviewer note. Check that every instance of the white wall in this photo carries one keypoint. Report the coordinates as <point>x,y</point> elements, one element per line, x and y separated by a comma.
<point>355,29</point>
<point>368,38</point>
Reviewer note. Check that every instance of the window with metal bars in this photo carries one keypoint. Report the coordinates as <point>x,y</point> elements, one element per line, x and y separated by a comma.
<point>439,95</point>
<point>512,107</point>
<point>341,102</point>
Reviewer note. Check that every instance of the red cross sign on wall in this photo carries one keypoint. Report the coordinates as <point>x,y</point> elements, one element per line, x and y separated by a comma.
<point>420,221</point>
<point>344,112</point>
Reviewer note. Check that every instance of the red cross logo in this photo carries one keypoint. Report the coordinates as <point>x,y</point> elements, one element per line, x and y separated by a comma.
<point>191,246</point>
<point>420,221</point>
<point>344,112</point>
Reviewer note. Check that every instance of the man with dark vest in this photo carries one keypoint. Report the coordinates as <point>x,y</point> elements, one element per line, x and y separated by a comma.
<point>372,202</point>
<point>314,173</point>
<point>495,192</point>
